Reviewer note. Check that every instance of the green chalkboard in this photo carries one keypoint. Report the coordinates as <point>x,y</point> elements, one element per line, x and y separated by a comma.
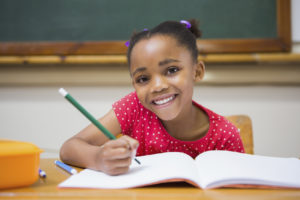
<point>94,20</point>
<point>53,21</point>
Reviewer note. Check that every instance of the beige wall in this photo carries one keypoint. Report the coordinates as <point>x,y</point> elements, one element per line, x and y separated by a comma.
<point>40,115</point>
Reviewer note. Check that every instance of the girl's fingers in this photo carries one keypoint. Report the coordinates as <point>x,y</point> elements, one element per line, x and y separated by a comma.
<point>117,171</point>
<point>118,143</point>
<point>116,155</point>
<point>114,165</point>
<point>132,142</point>
<point>121,148</point>
<point>117,163</point>
<point>119,153</point>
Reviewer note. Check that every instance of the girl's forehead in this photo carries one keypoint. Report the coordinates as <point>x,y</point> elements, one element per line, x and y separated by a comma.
<point>152,48</point>
<point>155,45</point>
<point>159,40</point>
<point>151,51</point>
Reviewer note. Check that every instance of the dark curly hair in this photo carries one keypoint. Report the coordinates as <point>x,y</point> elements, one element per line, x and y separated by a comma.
<point>184,36</point>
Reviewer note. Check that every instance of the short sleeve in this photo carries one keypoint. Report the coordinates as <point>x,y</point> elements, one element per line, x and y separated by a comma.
<point>126,111</point>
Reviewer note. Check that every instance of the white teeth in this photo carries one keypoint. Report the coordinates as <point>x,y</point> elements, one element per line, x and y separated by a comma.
<point>163,101</point>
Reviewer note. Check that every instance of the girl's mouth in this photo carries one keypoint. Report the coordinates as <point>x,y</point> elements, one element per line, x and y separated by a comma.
<point>162,101</point>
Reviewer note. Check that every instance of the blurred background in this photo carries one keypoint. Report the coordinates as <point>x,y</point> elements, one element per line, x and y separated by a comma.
<point>251,50</point>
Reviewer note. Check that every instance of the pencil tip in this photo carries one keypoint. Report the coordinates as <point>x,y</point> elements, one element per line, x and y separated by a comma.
<point>137,161</point>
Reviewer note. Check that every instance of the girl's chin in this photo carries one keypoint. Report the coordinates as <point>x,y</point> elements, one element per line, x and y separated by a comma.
<point>165,112</point>
<point>165,116</point>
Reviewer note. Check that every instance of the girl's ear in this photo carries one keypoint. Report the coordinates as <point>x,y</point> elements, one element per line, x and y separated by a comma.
<point>199,71</point>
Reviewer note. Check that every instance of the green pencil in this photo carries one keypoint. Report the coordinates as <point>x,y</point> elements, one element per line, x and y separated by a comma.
<point>108,134</point>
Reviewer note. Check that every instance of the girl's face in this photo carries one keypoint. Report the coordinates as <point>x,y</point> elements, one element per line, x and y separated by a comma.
<point>163,75</point>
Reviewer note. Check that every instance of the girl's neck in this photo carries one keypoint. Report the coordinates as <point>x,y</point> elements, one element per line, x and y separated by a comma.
<point>191,126</point>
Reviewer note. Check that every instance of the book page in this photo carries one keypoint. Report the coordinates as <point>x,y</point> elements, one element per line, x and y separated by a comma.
<point>153,169</point>
<point>220,168</point>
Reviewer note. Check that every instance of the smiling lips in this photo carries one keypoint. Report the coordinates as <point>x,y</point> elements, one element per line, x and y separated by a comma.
<point>164,100</point>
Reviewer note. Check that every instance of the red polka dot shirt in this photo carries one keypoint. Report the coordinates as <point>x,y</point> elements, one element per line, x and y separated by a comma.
<point>138,122</point>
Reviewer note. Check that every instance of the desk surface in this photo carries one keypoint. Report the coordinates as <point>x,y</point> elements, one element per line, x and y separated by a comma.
<point>47,189</point>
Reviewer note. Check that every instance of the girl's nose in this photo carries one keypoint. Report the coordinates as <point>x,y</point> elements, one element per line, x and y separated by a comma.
<point>159,84</point>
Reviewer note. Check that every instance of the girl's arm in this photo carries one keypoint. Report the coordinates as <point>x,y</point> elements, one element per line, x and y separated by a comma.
<point>90,148</point>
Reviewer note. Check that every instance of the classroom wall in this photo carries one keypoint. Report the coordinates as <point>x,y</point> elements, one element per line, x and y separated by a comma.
<point>38,114</point>
<point>42,116</point>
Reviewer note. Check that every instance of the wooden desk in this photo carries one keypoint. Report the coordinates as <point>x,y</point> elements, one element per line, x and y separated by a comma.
<point>47,189</point>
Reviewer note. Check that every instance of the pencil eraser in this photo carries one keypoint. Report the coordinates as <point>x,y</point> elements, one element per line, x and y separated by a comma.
<point>63,92</point>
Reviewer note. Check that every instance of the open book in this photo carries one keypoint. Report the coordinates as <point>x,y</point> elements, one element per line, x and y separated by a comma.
<point>210,169</point>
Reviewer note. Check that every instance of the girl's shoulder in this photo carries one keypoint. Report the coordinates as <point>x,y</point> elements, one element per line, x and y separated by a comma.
<point>214,118</point>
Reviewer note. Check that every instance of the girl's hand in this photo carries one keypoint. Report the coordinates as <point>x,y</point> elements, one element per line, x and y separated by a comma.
<point>115,156</point>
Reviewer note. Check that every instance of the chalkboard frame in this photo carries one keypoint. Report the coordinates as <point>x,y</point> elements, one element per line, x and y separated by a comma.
<point>282,43</point>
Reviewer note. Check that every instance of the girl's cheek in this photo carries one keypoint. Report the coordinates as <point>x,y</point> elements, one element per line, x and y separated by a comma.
<point>142,96</point>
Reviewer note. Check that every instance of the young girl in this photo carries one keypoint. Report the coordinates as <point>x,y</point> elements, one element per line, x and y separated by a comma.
<point>160,115</point>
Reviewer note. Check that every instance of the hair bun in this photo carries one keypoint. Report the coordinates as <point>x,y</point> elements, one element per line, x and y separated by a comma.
<point>194,28</point>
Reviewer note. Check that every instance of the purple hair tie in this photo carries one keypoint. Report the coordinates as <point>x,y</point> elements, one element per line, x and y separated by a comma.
<point>127,43</point>
<point>187,24</point>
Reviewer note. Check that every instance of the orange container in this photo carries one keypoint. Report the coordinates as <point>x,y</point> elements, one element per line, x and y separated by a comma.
<point>19,163</point>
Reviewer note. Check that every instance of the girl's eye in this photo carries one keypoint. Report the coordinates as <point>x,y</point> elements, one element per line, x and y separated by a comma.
<point>172,70</point>
<point>141,79</point>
